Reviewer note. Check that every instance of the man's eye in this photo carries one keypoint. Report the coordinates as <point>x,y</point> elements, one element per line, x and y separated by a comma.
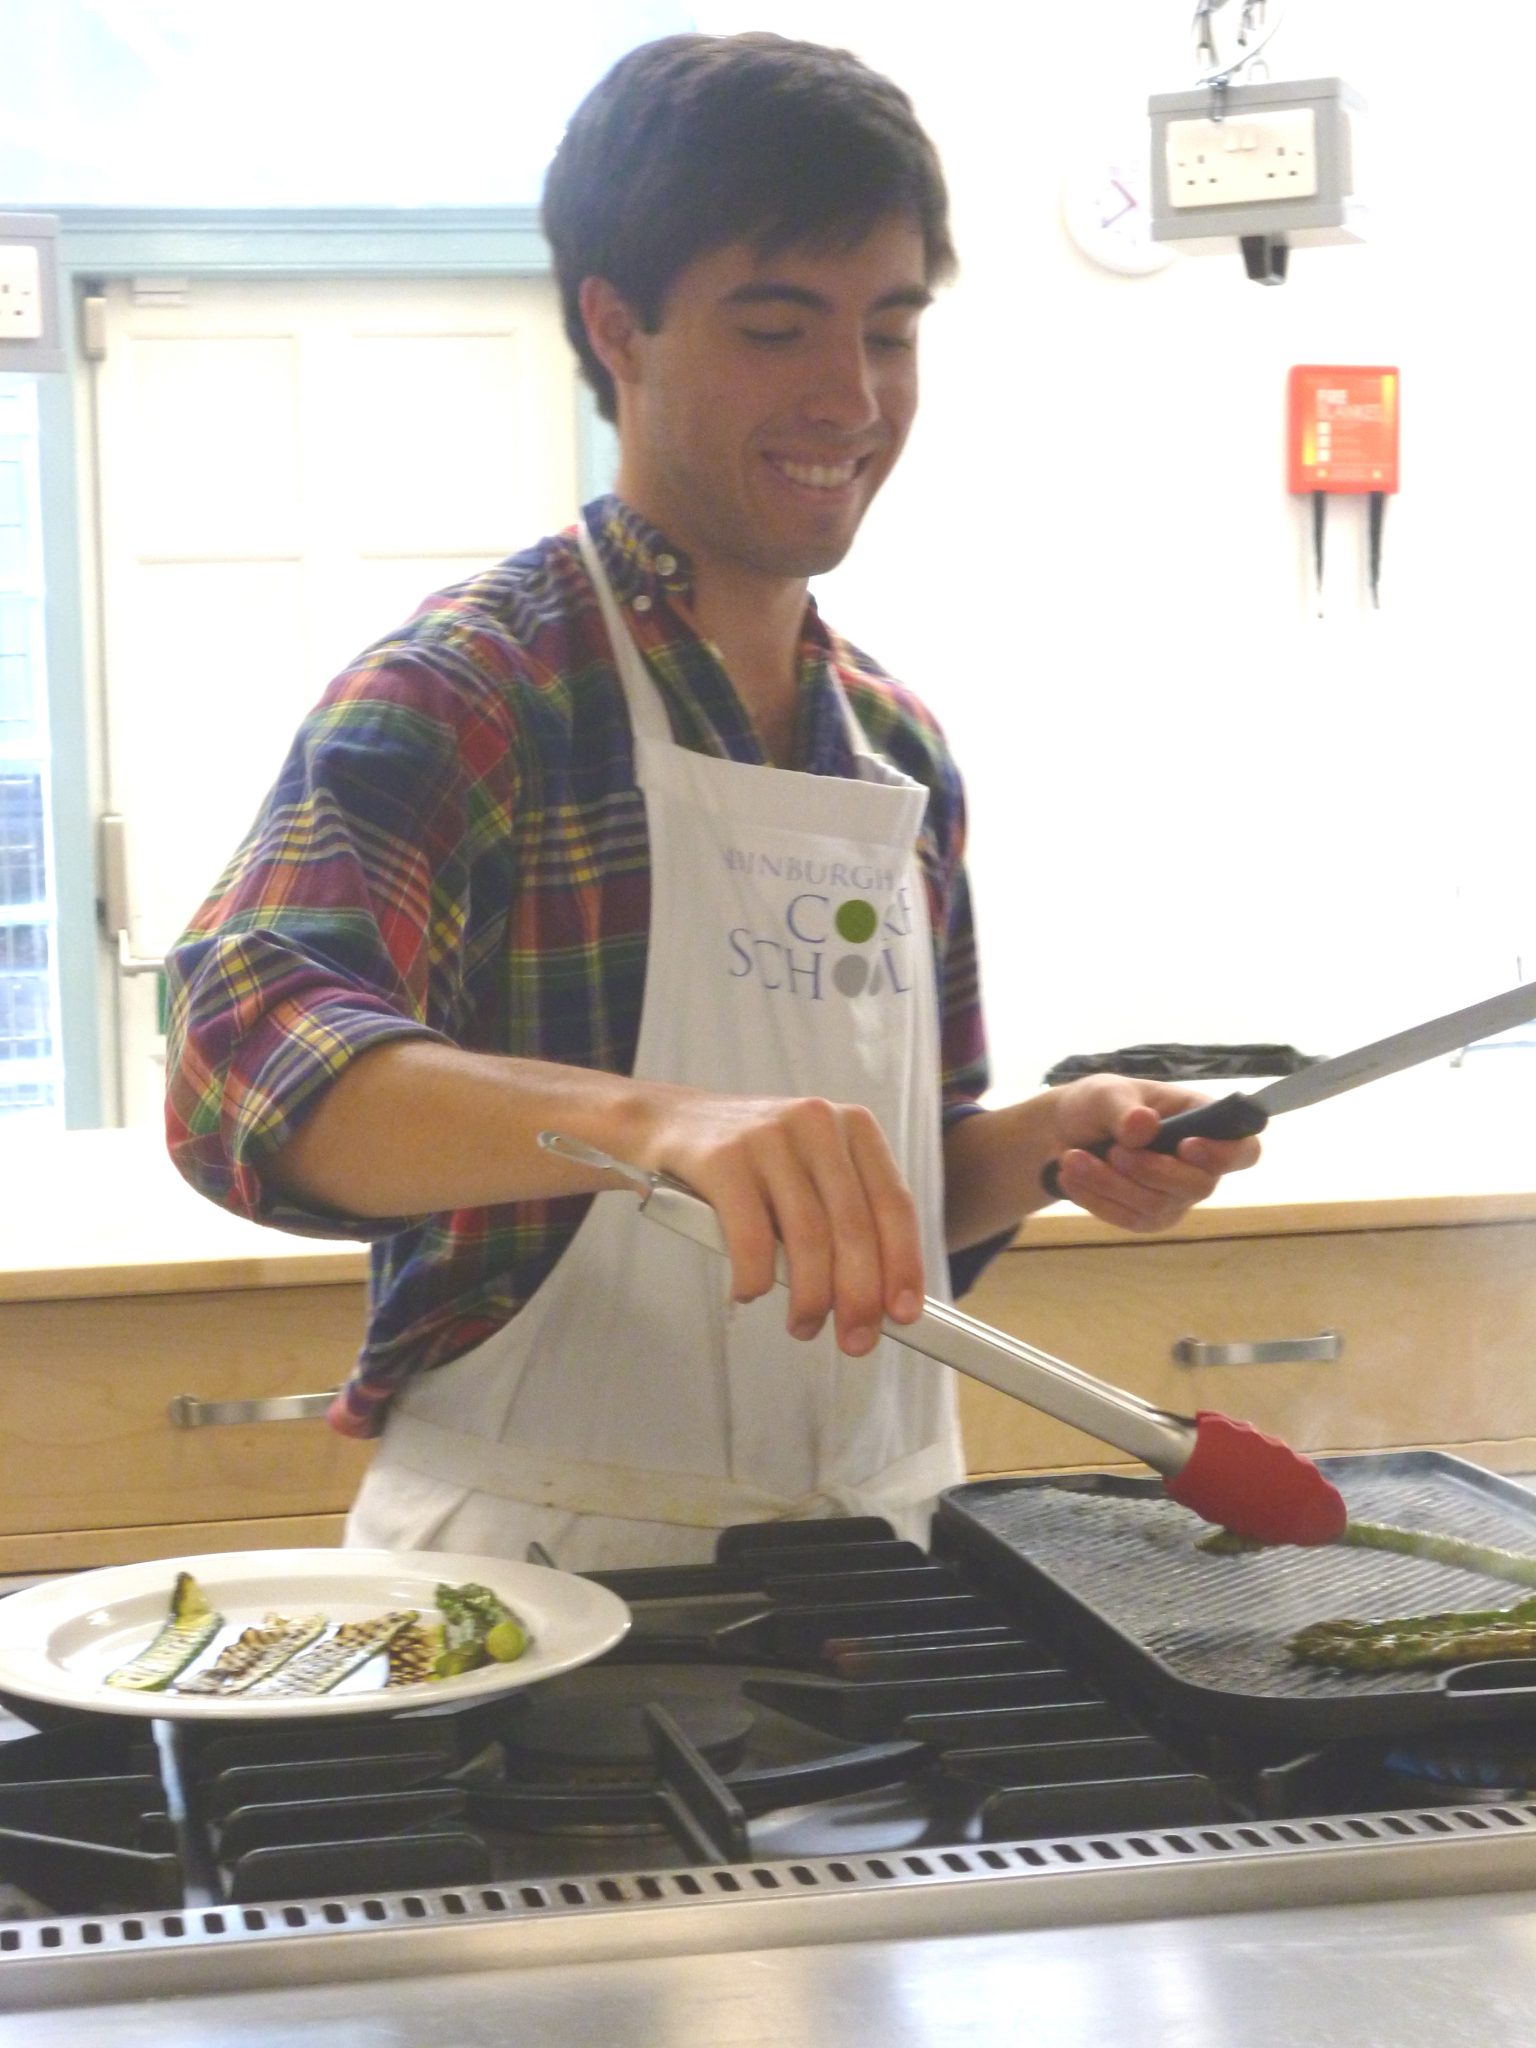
<point>770,334</point>
<point>903,343</point>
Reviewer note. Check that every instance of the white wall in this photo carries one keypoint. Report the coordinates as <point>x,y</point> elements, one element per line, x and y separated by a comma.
<point>1198,811</point>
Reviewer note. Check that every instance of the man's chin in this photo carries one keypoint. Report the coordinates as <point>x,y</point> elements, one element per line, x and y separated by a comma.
<point>807,557</point>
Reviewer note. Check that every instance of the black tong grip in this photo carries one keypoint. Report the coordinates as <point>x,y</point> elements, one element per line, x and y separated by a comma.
<point>1230,1116</point>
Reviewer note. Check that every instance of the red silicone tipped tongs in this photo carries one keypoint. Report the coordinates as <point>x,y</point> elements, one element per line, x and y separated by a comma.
<point>1223,1470</point>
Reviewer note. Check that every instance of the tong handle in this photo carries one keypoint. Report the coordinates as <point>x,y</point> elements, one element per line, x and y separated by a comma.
<point>1230,1116</point>
<point>1109,1414</point>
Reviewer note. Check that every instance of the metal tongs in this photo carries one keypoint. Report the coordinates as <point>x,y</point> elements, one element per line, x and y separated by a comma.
<point>1226,1471</point>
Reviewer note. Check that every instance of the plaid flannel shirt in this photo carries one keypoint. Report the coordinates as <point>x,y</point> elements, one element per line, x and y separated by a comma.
<point>455,849</point>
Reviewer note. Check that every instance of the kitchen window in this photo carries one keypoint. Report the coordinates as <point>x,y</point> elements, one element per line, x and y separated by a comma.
<point>30,1077</point>
<point>146,132</point>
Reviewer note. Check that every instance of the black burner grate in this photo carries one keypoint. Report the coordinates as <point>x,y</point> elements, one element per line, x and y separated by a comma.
<point>821,1690</point>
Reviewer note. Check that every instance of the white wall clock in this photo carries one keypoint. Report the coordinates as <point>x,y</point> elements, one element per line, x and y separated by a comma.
<point>1106,207</point>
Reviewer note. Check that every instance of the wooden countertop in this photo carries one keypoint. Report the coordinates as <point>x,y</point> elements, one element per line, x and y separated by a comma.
<point>105,1212</point>
<point>90,1213</point>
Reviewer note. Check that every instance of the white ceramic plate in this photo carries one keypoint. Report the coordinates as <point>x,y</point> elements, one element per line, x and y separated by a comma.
<point>59,1640</point>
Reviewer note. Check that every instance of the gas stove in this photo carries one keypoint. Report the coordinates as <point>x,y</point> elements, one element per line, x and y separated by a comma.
<point>825,1727</point>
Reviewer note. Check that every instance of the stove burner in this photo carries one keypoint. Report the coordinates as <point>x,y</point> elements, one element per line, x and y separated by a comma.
<point>790,1701</point>
<point>589,1725</point>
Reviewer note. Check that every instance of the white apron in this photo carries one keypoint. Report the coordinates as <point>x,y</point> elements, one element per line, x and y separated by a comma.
<point>629,1411</point>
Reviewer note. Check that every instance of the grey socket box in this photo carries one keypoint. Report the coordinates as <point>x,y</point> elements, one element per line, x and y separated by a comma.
<point>38,231</point>
<point>1332,214</point>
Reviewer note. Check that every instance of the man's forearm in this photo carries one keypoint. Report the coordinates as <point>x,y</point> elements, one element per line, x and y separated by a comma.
<point>413,1127</point>
<point>992,1168</point>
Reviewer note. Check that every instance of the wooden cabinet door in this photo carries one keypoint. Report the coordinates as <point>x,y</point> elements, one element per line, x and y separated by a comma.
<point>86,1437</point>
<point>1437,1336</point>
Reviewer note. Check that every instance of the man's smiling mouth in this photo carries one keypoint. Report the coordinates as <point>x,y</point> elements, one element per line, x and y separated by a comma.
<point>818,476</point>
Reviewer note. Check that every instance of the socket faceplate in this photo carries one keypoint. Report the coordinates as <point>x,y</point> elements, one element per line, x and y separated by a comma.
<point>21,292</point>
<point>1235,162</point>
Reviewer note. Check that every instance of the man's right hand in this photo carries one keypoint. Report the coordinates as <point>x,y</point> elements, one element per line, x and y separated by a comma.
<point>815,1176</point>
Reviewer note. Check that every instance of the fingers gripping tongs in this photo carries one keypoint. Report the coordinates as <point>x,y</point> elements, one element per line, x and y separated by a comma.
<point>1223,1470</point>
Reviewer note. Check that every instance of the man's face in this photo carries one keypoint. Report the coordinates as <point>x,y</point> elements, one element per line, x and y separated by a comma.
<point>761,419</point>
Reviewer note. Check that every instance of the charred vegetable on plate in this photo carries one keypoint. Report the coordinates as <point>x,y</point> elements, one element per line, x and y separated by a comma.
<point>480,1629</point>
<point>302,1656</point>
<point>255,1653</point>
<point>189,1627</point>
<point>1415,1642</point>
<point>323,1666</point>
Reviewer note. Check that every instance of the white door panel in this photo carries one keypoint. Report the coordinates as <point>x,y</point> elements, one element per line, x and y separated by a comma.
<point>285,470</point>
<point>189,416</point>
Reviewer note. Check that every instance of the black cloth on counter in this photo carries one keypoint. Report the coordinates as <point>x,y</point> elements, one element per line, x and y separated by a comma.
<point>1183,1062</point>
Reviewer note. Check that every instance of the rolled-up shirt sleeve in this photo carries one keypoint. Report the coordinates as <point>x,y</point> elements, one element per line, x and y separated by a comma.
<point>339,924</point>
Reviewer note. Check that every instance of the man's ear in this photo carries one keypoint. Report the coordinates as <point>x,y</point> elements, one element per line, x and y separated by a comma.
<point>612,328</point>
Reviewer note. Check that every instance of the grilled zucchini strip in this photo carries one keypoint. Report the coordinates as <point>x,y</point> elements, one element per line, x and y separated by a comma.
<point>189,1628</point>
<point>322,1667</point>
<point>255,1654</point>
<point>414,1653</point>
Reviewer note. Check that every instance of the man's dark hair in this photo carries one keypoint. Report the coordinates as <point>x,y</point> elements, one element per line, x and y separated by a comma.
<point>695,141</point>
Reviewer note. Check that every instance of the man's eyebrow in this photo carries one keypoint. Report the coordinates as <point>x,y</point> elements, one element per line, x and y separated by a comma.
<point>915,296</point>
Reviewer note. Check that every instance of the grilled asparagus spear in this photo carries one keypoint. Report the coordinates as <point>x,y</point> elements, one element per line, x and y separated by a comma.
<point>478,1628</point>
<point>1493,1563</point>
<point>1416,1641</point>
<point>190,1626</point>
<point>1419,1642</point>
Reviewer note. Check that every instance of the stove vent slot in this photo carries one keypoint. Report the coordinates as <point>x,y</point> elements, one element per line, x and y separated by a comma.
<point>96,1952</point>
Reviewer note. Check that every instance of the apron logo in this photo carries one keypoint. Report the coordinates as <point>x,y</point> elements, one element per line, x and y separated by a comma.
<point>826,942</point>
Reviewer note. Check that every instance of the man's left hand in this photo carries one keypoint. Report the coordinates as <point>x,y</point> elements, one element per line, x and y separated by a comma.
<point>1132,1187</point>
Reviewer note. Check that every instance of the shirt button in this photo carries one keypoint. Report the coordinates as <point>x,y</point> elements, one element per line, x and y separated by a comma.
<point>666,565</point>
<point>642,603</point>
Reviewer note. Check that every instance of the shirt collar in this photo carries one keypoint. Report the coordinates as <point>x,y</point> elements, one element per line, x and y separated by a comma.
<point>642,562</point>
<point>638,557</point>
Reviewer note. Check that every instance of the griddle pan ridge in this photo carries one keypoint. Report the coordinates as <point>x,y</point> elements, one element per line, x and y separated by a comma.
<point>1113,1561</point>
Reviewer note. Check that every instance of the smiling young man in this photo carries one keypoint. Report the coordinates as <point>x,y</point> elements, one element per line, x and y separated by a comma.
<point>619,840</point>
<point>757,424</point>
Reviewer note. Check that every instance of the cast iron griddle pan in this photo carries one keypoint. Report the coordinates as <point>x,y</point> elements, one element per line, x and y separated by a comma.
<point>1111,1564</point>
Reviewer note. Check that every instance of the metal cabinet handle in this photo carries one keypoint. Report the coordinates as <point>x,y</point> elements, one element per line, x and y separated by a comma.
<point>187,1412</point>
<point>1326,1345</point>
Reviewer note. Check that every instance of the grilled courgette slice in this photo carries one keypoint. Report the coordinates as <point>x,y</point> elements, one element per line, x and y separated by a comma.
<point>414,1653</point>
<point>189,1628</point>
<point>255,1654</point>
<point>322,1667</point>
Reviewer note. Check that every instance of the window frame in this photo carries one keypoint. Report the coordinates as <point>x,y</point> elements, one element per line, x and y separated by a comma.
<point>96,243</point>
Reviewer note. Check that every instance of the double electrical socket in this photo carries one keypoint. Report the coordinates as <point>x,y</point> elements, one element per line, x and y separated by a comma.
<point>1248,158</point>
<point>21,292</point>
<point>1271,163</point>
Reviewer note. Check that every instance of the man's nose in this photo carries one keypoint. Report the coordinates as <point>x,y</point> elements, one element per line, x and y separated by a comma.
<point>842,394</point>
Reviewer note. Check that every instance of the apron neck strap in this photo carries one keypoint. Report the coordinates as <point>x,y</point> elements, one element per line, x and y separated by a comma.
<point>647,712</point>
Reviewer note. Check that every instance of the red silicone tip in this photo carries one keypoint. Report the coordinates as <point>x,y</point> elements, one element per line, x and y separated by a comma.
<point>1257,1486</point>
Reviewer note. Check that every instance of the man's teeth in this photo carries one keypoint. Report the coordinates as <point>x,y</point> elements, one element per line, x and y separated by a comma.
<point>817,475</point>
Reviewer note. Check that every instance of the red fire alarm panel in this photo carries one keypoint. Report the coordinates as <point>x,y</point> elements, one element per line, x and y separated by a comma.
<point>1343,428</point>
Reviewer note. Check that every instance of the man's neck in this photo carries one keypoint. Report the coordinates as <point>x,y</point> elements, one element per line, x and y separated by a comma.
<point>755,622</point>
<point>753,619</point>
